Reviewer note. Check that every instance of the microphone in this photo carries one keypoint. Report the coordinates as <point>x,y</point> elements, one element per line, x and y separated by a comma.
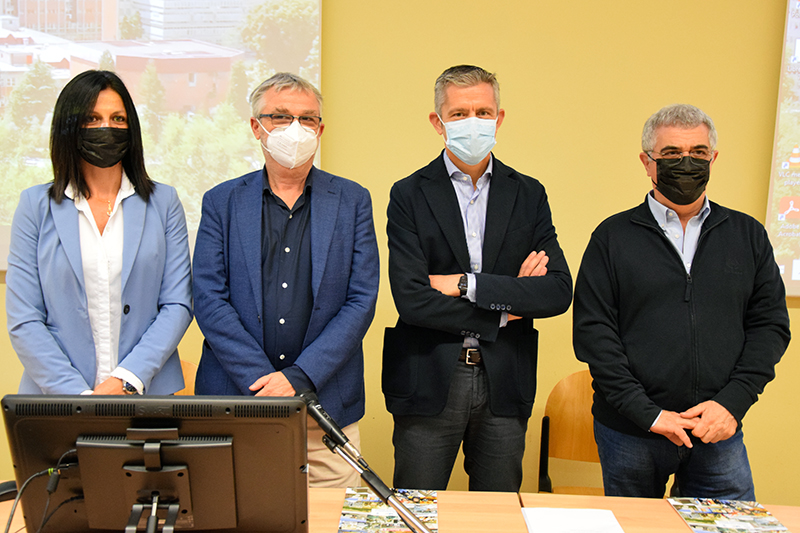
<point>327,423</point>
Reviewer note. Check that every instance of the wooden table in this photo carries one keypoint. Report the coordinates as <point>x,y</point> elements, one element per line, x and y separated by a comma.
<point>643,515</point>
<point>787,514</point>
<point>484,512</point>
<point>459,512</point>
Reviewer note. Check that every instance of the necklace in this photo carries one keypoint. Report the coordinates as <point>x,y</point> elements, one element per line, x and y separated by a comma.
<point>109,206</point>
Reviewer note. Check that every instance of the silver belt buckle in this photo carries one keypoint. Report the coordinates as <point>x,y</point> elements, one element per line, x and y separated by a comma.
<point>468,358</point>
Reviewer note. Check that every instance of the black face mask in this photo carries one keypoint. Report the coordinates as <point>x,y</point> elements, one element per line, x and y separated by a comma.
<point>103,147</point>
<point>683,180</point>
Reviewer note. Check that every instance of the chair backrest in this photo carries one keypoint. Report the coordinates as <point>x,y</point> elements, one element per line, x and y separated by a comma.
<point>568,429</point>
<point>189,373</point>
<point>569,407</point>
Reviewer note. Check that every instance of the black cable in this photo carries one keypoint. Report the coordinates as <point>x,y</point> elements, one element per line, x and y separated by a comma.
<point>60,505</point>
<point>19,495</point>
<point>52,485</point>
<point>44,513</point>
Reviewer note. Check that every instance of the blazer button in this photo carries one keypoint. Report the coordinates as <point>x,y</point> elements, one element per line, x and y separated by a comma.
<point>477,335</point>
<point>508,307</point>
<point>126,309</point>
<point>491,307</point>
<point>463,332</point>
<point>503,307</point>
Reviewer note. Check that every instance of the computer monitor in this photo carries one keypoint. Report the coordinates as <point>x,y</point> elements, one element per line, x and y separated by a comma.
<point>217,463</point>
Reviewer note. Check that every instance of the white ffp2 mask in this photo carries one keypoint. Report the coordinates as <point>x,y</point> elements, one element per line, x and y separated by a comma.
<point>291,145</point>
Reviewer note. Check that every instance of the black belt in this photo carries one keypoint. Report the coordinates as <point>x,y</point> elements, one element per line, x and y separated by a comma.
<point>471,356</point>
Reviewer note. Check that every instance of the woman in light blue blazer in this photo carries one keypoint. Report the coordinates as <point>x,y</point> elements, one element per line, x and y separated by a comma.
<point>98,288</point>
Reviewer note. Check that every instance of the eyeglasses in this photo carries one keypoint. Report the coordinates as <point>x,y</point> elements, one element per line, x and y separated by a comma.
<point>697,153</point>
<point>278,120</point>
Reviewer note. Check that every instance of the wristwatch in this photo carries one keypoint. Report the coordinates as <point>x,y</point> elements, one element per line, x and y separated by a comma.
<point>462,285</point>
<point>128,388</point>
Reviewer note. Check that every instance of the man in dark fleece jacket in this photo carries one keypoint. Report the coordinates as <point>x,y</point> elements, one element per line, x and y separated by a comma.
<point>680,312</point>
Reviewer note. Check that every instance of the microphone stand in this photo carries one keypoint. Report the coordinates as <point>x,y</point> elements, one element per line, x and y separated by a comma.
<point>338,443</point>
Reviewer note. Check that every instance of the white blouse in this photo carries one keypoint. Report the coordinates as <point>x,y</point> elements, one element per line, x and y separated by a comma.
<point>101,257</point>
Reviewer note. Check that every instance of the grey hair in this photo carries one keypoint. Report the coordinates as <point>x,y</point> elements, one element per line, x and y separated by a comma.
<point>281,81</point>
<point>677,115</point>
<point>463,76</point>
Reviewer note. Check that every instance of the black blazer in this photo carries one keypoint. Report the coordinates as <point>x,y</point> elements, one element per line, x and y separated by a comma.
<point>426,236</point>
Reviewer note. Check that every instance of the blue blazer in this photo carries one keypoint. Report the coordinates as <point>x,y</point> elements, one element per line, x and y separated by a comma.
<point>344,282</point>
<point>48,317</point>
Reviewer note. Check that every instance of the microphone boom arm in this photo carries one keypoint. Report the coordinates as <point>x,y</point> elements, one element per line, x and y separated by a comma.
<point>378,487</point>
<point>338,443</point>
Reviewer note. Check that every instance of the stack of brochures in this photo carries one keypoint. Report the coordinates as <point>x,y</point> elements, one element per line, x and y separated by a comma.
<point>364,512</point>
<point>704,515</point>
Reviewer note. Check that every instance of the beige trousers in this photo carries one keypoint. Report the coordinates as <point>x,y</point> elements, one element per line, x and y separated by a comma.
<point>325,468</point>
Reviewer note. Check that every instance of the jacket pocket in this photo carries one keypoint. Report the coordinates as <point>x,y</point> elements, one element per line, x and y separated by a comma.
<point>527,357</point>
<point>399,371</point>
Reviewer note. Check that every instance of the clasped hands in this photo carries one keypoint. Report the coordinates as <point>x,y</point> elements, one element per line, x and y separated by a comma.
<point>709,421</point>
<point>534,265</point>
<point>274,384</point>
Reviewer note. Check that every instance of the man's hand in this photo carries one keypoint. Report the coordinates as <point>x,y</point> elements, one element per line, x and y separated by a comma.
<point>110,386</point>
<point>534,265</point>
<point>447,284</point>
<point>714,422</point>
<point>673,426</point>
<point>274,384</point>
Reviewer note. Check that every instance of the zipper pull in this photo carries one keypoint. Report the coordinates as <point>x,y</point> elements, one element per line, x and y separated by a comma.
<point>688,292</point>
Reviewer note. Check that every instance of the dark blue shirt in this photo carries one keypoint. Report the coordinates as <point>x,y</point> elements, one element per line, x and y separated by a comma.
<point>286,280</point>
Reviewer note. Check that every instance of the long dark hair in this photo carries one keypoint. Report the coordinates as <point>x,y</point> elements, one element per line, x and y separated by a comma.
<point>75,103</point>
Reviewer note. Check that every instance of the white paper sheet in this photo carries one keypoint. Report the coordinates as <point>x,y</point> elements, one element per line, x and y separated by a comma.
<point>549,520</point>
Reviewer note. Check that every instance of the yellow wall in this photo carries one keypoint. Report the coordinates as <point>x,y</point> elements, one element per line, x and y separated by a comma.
<point>578,80</point>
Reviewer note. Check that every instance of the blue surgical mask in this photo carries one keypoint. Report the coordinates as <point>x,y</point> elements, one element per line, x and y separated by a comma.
<point>470,139</point>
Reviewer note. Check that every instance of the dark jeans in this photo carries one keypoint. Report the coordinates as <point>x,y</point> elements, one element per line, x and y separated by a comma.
<point>641,466</point>
<point>425,447</point>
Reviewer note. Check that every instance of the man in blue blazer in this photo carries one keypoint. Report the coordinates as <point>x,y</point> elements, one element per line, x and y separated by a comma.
<point>473,258</point>
<point>286,274</point>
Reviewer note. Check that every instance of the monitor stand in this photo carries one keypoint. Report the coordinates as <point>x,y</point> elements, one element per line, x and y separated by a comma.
<point>152,520</point>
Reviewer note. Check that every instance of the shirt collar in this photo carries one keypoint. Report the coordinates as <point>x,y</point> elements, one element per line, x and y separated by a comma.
<point>660,211</point>
<point>452,168</point>
<point>125,189</point>
<point>268,189</point>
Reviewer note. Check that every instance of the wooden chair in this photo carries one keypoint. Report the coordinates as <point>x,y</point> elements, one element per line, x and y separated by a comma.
<point>189,374</point>
<point>568,430</point>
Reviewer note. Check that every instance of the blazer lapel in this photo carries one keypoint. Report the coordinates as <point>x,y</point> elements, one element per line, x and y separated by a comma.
<point>65,218</point>
<point>441,198</point>
<point>133,210</point>
<point>502,195</point>
<point>248,201</point>
<point>325,197</point>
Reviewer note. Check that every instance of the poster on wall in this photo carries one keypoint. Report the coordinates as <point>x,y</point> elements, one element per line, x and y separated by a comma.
<point>189,66</point>
<point>783,209</point>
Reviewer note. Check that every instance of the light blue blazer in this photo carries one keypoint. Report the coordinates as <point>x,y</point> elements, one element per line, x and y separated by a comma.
<point>48,317</point>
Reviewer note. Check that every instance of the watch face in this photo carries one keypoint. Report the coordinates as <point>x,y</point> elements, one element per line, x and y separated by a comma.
<point>128,388</point>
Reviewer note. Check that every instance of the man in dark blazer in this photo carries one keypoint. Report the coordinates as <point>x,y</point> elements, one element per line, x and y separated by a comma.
<point>286,274</point>
<point>473,257</point>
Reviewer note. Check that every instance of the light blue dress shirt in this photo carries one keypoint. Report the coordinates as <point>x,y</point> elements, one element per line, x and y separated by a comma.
<point>472,202</point>
<point>685,242</point>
